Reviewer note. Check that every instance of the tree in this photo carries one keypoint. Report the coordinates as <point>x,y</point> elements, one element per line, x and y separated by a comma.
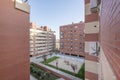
<point>57,64</point>
<point>44,57</point>
<point>39,73</point>
<point>73,67</point>
<point>31,68</point>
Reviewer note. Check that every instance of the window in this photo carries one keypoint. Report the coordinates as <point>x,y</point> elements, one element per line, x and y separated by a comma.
<point>61,32</point>
<point>61,36</point>
<point>76,39</point>
<point>76,26</point>
<point>64,28</point>
<point>62,45</point>
<point>80,34</point>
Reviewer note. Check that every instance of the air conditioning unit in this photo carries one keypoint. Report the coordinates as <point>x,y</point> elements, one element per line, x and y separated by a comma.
<point>93,6</point>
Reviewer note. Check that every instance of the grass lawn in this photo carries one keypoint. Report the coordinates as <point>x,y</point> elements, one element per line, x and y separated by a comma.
<point>80,74</point>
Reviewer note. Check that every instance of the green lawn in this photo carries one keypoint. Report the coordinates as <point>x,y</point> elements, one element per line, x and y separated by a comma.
<point>80,74</point>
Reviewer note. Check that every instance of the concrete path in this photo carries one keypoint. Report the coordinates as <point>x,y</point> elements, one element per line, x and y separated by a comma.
<point>59,55</point>
<point>32,78</point>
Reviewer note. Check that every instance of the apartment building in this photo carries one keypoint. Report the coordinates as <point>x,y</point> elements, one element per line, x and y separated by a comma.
<point>14,40</point>
<point>102,38</point>
<point>72,39</point>
<point>91,40</point>
<point>42,40</point>
<point>57,44</point>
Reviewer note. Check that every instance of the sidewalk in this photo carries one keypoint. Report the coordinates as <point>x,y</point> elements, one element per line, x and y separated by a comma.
<point>32,78</point>
<point>35,59</point>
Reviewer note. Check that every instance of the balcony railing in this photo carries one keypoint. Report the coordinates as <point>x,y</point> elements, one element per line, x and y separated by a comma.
<point>94,5</point>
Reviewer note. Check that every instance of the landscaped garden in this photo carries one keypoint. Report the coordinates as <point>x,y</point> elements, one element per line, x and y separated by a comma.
<point>40,74</point>
<point>80,74</point>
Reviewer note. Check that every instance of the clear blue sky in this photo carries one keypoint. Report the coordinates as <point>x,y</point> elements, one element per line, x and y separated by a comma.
<point>54,13</point>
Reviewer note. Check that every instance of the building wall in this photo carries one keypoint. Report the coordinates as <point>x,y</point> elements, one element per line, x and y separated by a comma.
<point>57,44</point>
<point>110,33</point>
<point>105,70</point>
<point>91,26</point>
<point>109,38</point>
<point>91,42</point>
<point>14,41</point>
<point>42,40</point>
<point>72,39</point>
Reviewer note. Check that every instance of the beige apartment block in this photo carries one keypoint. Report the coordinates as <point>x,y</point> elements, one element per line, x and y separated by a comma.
<point>42,40</point>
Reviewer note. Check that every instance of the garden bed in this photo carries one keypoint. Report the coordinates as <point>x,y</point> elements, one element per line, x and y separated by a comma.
<point>41,74</point>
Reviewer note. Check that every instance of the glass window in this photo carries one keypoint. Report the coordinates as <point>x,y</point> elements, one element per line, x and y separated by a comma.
<point>61,32</point>
<point>76,26</point>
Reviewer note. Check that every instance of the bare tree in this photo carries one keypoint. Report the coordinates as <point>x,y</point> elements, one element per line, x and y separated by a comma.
<point>73,67</point>
<point>44,57</point>
<point>96,50</point>
<point>57,64</point>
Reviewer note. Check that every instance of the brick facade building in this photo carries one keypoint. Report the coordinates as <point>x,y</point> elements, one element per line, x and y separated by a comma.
<point>14,40</point>
<point>91,42</point>
<point>72,39</point>
<point>110,36</point>
<point>102,24</point>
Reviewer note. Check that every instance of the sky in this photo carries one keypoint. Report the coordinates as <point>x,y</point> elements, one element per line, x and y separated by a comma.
<point>55,13</point>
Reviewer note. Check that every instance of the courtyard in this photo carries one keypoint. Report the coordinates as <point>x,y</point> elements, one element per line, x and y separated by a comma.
<point>67,64</point>
<point>63,64</point>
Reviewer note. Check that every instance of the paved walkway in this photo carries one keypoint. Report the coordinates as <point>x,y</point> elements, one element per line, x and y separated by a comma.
<point>59,55</point>
<point>75,58</point>
<point>38,60</point>
<point>32,78</point>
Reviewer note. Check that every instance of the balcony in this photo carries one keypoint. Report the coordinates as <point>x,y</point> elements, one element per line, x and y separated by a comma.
<point>22,5</point>
<point>94,5</point>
